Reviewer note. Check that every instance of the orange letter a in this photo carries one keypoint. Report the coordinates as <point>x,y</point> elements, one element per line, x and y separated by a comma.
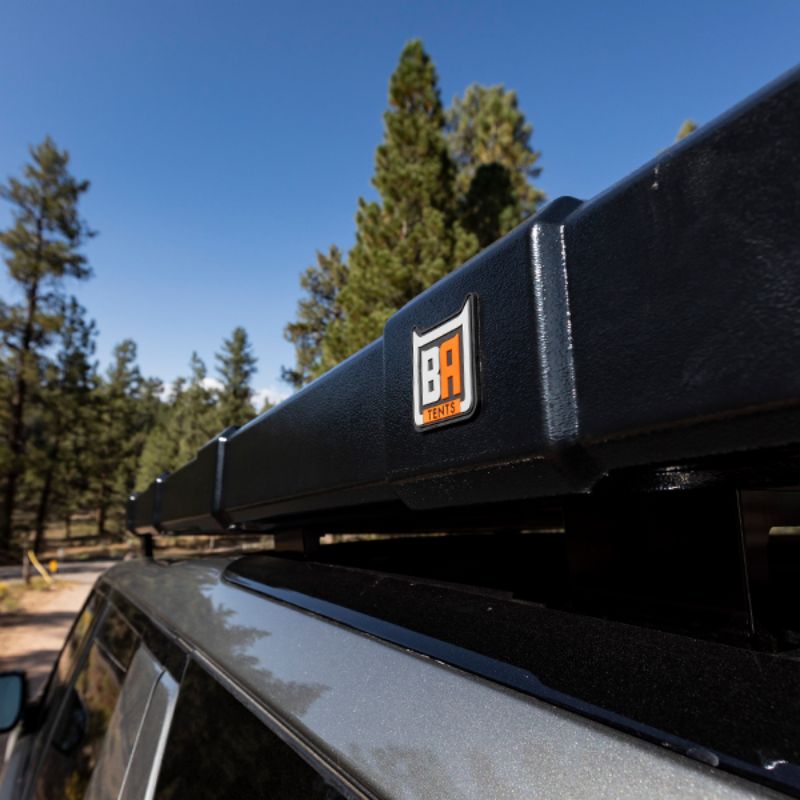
<point>450,366</point>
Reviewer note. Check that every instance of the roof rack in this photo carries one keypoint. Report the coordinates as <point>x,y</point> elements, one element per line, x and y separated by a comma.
<point>647,339</point>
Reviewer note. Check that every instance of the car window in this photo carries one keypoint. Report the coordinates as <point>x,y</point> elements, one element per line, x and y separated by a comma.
<point>84,717</point>
<point>124,728</point>
<point>60,677</point>
<point>73,646</point>
<point>249,760</point>
<point>163,647</point>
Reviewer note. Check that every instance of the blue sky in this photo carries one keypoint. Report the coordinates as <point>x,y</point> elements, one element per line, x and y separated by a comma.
<point>227,141</point>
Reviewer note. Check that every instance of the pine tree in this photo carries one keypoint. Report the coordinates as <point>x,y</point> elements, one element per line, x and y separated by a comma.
<point>195,418</point>
<point>160,450</point>
<point>126,406</point>
<point>409,239</point>
<point>236,365</point>
<point>320,308</point>
<point>490,142</point>
<point>43,248</point>
<point>62,441</point>
<point>182,426</point>
<point>448,185</point>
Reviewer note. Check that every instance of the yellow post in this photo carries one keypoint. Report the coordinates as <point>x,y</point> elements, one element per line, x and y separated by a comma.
<point>39,568</point>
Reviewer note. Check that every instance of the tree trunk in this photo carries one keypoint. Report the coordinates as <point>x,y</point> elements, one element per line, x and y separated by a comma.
<point>101,513</point>
<point>9,498</point>
<point>41,511</point>
<point>68,525</point>
<point>47,489</point>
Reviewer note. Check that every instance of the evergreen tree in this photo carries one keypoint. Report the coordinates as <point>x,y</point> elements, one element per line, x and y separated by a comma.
<point>409,239</point>
<point>148,409</point>
<point>195,418</point>
<point>320,308</point>
<point>61,441</point>
<point>6,387</point>
<point>182,425</point>
<point>689,126</point>
<point>490,141</point>
<point>448,185</point>
<point>236,365</point>
<point>43,248</point>
<point>126,409</point>
<point>160,450</point>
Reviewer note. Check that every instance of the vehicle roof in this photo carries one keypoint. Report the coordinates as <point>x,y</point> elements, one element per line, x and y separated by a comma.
<point>399,723</point>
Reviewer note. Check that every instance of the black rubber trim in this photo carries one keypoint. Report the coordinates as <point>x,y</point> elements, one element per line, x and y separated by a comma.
<point>721,705</point>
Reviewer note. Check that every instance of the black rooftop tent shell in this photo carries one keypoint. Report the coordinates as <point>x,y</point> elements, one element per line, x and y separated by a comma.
<point>652,332</point>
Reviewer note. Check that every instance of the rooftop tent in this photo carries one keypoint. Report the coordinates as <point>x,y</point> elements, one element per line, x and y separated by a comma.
<point>648,337</point>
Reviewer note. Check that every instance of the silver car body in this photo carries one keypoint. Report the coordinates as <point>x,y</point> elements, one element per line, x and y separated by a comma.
<point>388,722</point>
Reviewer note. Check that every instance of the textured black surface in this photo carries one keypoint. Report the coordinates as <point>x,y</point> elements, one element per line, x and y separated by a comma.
<point>684,294</point>
<point>507,447</point>
<point>144,510</point>
<point>323,440</point>
<point>655,326</point>
<point>709,700</point>
<point>189,499</point>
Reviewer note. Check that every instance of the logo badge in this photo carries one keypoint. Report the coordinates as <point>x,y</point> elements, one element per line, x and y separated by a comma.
<point>445,387</point>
